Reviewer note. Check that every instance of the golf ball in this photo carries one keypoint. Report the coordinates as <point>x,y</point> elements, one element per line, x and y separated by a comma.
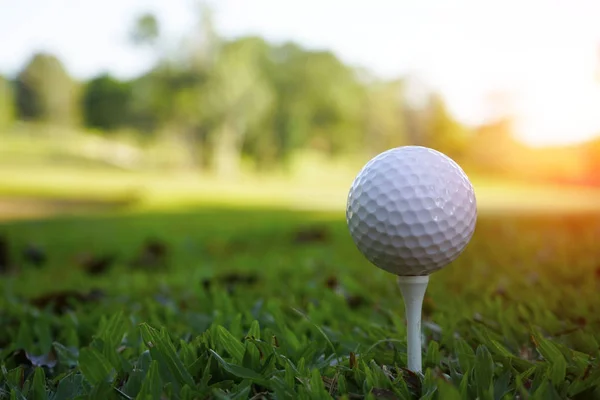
<point>411,210</point>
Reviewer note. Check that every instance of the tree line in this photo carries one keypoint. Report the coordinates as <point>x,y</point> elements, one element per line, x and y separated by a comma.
<point>229,99</point>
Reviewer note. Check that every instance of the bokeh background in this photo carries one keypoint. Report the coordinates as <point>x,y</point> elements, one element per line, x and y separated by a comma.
<point>157,103</point>
<point>185,164</point>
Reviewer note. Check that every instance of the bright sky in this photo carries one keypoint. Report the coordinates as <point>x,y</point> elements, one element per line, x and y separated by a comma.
<point>544,53</point>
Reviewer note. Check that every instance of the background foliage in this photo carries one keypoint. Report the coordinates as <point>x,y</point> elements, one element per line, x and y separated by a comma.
<point>233,104</point>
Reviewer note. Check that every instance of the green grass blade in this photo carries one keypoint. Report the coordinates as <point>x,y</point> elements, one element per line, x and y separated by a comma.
<point>432,356</point>
<point>447,391</point>
<point>69,387</point>
<point>254,331</point>
<point>152,385</point>
<point>465,355</point>
<point>38,389</point>
<point>238,371</point>
<point>94,366</point>
<point>484,373</point>
<point>232,345</point>
<point>558,365</point>
<point>163,351</point>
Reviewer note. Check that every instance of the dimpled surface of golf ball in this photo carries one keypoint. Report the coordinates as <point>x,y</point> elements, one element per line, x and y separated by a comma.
<point>411,210</point>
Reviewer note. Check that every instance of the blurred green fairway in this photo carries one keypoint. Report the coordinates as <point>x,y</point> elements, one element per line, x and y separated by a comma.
<point>186,288</point>
<point>38,191</point>
<point>57,174</point>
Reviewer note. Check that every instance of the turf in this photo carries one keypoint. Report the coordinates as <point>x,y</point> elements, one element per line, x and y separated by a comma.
<point>239,303</point>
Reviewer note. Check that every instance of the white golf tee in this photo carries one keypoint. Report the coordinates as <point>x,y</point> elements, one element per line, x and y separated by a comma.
<point>413,291</point>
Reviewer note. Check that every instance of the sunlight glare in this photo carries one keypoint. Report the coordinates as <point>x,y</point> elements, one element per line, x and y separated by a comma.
<point>561,104</point>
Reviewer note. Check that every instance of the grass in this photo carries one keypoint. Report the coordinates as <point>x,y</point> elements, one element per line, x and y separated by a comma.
<point>325,191</point>
<point>267,303</point>
<point>84,167</point>
<point>121,284</point>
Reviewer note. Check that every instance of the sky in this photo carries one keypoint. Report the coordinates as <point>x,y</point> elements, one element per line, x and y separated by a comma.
<point>540,56</point>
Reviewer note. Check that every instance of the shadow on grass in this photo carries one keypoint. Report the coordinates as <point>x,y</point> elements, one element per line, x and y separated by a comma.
<point>205,240</point>
<point>117,225</point>
<point>201,239</point>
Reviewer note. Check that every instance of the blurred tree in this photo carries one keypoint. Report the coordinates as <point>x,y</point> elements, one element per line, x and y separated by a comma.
<point>442,132</point>
<point>204,42</point>
<point>172,98</point>
<point>107,103</point>
<point>146,30</point>
<point>238,95</point>
<point>318,104</point>
<point>430,124</point>
<point>417,98</point>
<point>385,122</point>
<point>226,100</point>
<point>7,108</point>
<point>150,102</point>
<point>46,93</point>
<point>285,125</point>
<point>493,147</point>
<point>334,100</point>
<point>167,102</point>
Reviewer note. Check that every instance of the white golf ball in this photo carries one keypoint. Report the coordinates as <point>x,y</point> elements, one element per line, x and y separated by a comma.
<point>411,210</point>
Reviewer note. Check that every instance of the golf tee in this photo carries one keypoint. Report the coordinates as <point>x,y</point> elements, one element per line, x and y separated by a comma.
<point>413,291</point>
